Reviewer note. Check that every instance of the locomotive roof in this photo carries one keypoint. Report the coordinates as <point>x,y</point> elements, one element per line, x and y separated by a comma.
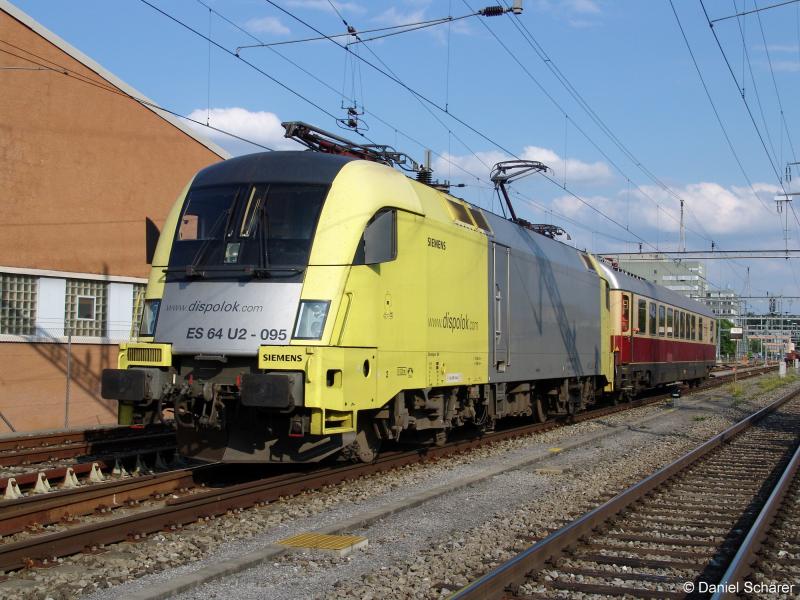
<point>289,166</point>
<point>623,281</point>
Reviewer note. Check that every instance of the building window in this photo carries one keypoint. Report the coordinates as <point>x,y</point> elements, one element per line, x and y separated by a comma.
<point>85,308</point>
<point>17,304</point>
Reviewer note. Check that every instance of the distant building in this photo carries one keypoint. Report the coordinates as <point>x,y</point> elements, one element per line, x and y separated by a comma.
<point>83,166</point>
<point>724,303</point>
<point>686,277</point>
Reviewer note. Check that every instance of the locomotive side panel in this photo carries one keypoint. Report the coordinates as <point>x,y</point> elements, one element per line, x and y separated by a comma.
<point>553,318</point>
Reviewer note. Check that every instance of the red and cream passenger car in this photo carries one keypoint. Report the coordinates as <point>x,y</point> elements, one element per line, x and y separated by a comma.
<point>658,335</point>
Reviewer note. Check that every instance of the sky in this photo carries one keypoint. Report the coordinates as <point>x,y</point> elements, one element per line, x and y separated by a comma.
<point>605,93</point>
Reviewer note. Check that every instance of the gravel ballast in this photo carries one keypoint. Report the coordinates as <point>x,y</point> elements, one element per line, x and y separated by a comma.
<point>424,551</point>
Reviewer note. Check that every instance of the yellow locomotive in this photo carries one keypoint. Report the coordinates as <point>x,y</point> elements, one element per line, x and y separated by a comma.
<point>303,304</point>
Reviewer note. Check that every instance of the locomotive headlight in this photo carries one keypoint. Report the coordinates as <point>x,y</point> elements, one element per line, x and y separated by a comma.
<point>149,317</point>
<point>311,319</point>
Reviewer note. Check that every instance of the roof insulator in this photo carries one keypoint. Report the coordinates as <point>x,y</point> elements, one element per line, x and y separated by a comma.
<point>492,11</point>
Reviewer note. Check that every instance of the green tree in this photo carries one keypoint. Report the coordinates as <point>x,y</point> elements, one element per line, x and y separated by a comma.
<point>726,344</point>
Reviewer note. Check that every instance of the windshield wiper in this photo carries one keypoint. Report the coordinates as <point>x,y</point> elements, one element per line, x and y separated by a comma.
<point>249,270</point>
<point>191,269</point>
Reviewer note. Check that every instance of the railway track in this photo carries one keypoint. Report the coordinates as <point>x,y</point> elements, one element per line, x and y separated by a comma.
<point>673,534</point>
<point>171,513</point>
<point>768,561</point>
<point>36,448</point>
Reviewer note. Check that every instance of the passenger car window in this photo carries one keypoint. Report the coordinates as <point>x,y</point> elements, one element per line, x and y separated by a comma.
<point>626,313</point>
<point>652,328</point>
<point>700,332</point>
<point>669,322</point>
<point>641,322</point>
<point>693,334</point>
<point>661,319</point>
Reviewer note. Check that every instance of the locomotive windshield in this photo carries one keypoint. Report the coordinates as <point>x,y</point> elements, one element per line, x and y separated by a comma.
<point>259,229</point>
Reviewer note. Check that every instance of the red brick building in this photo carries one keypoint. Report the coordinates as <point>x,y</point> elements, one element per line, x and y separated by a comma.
<point>83,164</point>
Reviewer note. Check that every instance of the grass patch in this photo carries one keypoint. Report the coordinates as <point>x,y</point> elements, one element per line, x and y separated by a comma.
<point>774,382</point>
<point>735,389</point>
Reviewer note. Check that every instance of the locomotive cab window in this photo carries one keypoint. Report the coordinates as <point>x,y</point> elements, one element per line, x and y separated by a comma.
<point>641,320</point>
<point>248,225</point>
<point>379,242</point>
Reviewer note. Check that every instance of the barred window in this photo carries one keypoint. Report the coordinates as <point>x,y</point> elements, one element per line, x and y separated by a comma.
<point>138,307</point>
<point>85,308</point>
<point>17,304</point>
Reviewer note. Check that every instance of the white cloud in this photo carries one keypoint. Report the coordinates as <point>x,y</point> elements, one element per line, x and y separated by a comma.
<point>578,13</point>
<point>392,16</point>
<point>267,25</point>
<point>721,210</point>
<point>481,163</point>
<point>584,7</point>
<point>576,170</point>
<point>324,5</point>
<point>792,66</point>
<point>259,126</point>
<point>790,48</point>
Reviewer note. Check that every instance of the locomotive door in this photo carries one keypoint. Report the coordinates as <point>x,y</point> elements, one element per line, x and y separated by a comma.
<point>501,304</point>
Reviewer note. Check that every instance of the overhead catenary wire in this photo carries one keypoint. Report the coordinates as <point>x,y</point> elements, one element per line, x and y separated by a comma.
<point>275,80</point>
<point>387,124</point>
<point>755,10</point>
<point>348,98</point>
<point>747,61</point>
<point>744,100</point>
<point>775,84</point>
<point>405,28</point>
<point>715,110</point>
<point>531,40</point>
<point>450,114</point>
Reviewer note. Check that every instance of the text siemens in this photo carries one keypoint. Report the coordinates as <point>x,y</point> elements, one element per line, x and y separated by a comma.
<point>282,357</point>
<point>214,307</point>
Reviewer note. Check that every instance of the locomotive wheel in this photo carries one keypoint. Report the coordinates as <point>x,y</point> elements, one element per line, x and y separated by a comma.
<point>366,446</point>
<point>539,411</point>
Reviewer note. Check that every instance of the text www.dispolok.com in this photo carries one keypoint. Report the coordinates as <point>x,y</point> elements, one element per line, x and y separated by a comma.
<point>453,322</point>
<point>214,307</point>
